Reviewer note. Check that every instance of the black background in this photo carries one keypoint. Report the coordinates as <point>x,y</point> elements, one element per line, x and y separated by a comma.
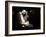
<point>34,18</point>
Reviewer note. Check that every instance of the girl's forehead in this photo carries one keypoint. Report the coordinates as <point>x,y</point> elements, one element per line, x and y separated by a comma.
<point>24,11</point>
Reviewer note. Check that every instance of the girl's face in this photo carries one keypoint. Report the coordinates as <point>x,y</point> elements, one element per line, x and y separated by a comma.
<point>25,15</point>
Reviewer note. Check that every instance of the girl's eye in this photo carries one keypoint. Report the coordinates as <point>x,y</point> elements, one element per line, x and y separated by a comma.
<point>24,14</point>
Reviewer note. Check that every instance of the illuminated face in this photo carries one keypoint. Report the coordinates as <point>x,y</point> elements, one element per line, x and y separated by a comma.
<point>25,15</point>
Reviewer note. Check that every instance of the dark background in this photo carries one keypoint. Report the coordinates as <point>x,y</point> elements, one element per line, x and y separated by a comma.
<point>34,18</point>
